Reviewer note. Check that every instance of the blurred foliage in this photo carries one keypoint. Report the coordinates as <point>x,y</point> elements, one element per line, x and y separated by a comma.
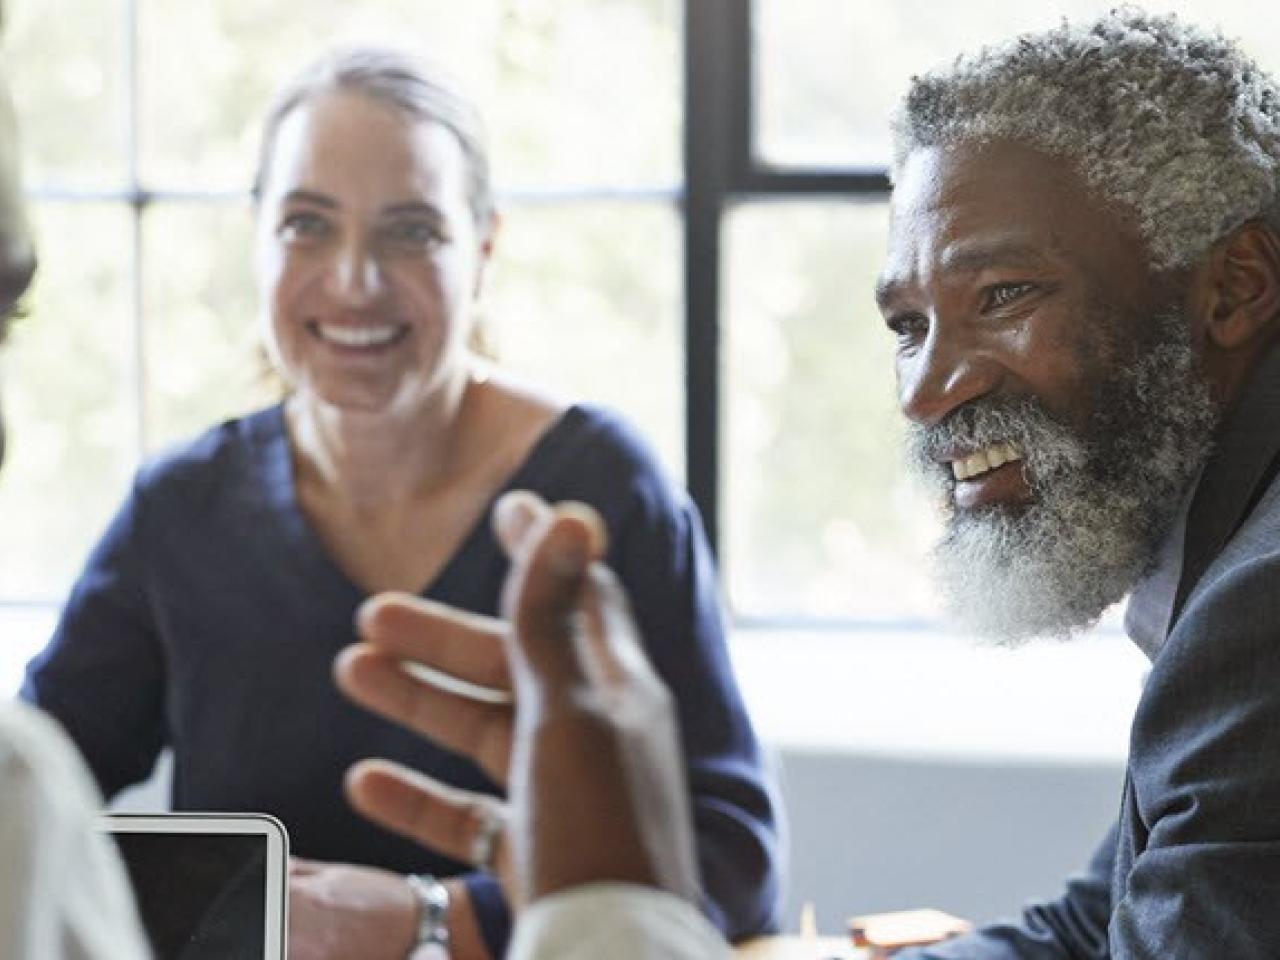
<point>69,399</point>
<point>830,71</point>
<point>820,517</point>
<point>65,60</point>
<point>203,358</point>
<point>585,300</point>
<point>551,77</point>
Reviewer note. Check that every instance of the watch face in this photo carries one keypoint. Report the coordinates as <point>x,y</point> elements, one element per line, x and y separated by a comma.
<point>433,904</point>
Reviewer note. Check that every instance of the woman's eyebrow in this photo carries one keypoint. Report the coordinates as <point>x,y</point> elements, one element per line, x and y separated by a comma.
<point>412,206</point>
<point>311,196</point>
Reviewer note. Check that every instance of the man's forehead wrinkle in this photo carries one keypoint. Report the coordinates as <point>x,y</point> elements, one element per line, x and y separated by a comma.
<point>1007,248</point>
<point>904,265</point>
<point>938,256</point>
<point>913,233</point>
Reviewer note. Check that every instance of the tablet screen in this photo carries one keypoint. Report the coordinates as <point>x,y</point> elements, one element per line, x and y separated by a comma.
<point>203,895</point>
<point>216,908</point>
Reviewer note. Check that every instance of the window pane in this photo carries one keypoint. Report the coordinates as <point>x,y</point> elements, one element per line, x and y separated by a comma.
<point>68,401</point>
<point>830,71</point>
<point>202,359</point>
<point>64,61</point>
<point>585,300</point>
<point>820,517</point>
<point>550,78</point>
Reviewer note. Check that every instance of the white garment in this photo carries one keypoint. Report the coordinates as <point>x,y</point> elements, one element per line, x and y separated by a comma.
<point>618,921</point>
<point>63,890</point>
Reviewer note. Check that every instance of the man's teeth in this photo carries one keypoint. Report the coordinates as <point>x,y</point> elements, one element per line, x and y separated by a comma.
<point>984,460</point>
<point>358,336</point>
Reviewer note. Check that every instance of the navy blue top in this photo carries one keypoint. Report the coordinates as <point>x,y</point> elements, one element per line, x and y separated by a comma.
<point>208,616</point>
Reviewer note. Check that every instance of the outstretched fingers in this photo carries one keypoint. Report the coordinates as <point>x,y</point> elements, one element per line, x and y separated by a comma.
<point>464,645</point>
<point>464,826</point>
<point>477,728</point>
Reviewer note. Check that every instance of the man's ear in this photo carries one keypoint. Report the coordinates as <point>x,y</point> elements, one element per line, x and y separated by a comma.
<point>1241,287</point>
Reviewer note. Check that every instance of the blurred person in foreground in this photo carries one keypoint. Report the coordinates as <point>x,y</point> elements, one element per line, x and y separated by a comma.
<point>208,615</point>
<point>1083,279</point>
<point>63,889</point>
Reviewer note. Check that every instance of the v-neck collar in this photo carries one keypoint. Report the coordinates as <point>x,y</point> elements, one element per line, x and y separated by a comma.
<point>281,490</point>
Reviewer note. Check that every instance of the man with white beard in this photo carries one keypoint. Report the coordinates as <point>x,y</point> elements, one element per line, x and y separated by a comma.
<point>1083,279</point>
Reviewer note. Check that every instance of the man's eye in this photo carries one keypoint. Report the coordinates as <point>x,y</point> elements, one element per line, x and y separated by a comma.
<point>1003,294</point>
<point>908,326</point>
<point>303,226</point>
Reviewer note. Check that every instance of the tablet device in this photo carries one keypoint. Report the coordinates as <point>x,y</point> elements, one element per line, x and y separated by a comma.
<point>207,885</point>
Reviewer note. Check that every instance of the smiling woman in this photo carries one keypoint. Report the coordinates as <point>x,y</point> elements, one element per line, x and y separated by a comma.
<point>368,255</point>
<point>228,581</point>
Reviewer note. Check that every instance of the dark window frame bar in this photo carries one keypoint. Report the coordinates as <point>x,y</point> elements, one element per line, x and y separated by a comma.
<point>722,168</point>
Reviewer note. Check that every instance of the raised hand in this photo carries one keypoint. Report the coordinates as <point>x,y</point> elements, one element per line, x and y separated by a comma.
<point>588,747</point>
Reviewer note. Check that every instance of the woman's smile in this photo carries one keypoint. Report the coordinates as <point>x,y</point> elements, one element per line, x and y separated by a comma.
<point>359,337</point>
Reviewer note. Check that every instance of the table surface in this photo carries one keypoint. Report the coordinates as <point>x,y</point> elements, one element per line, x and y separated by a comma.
<point>800,948</point>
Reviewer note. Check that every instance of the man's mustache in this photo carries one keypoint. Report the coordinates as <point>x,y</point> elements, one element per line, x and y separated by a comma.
<point>1021,420</point>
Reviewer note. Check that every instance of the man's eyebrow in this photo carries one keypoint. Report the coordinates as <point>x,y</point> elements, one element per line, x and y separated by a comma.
<point>972,256</point>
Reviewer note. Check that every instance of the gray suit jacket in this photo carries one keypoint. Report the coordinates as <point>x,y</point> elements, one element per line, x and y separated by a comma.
<point>1192,866</point>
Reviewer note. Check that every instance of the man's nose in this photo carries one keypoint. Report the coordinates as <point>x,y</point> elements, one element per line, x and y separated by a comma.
<point>948,371</point>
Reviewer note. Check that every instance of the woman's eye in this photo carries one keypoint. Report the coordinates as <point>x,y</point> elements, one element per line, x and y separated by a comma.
<point>1005,293</point>
<point>414,233</point>
<point>303,226</point>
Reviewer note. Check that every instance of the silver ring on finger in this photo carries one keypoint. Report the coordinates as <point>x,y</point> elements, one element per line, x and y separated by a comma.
<point>484,842</point>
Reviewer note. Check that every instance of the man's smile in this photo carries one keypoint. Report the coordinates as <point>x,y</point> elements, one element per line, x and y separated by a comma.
<point>989,476</point>
<point>983,461</point>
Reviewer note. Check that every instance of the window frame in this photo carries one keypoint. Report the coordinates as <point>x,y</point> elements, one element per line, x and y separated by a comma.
<point>723,168</point>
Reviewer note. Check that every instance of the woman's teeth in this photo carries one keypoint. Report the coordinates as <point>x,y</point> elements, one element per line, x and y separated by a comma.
<point>363,336</point>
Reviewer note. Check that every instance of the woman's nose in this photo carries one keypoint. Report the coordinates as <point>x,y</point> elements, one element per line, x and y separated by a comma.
<point>356,275</point>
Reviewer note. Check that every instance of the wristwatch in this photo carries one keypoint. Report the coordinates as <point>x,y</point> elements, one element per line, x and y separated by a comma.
<point>433,910</point>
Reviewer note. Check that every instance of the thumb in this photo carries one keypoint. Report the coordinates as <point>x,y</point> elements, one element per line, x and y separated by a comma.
<point>544,598</point>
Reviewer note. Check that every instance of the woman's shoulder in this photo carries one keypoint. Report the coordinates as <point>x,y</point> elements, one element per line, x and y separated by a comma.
<point>562,433</point>
<point>585,435</point>
<point>215,455</point>
<point>597,455</point>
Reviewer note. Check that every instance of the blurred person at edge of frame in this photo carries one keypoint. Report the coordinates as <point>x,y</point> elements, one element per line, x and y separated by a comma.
<point>1083,281</point>
<point>209,613</point>
<point>64,894</point>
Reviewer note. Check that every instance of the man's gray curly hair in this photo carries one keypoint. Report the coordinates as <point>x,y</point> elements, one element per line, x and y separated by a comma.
<point>1176,124</point>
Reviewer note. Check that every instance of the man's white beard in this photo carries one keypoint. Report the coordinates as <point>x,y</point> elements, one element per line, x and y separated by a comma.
<point>1102,498</point>
<point>1051,571</point>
